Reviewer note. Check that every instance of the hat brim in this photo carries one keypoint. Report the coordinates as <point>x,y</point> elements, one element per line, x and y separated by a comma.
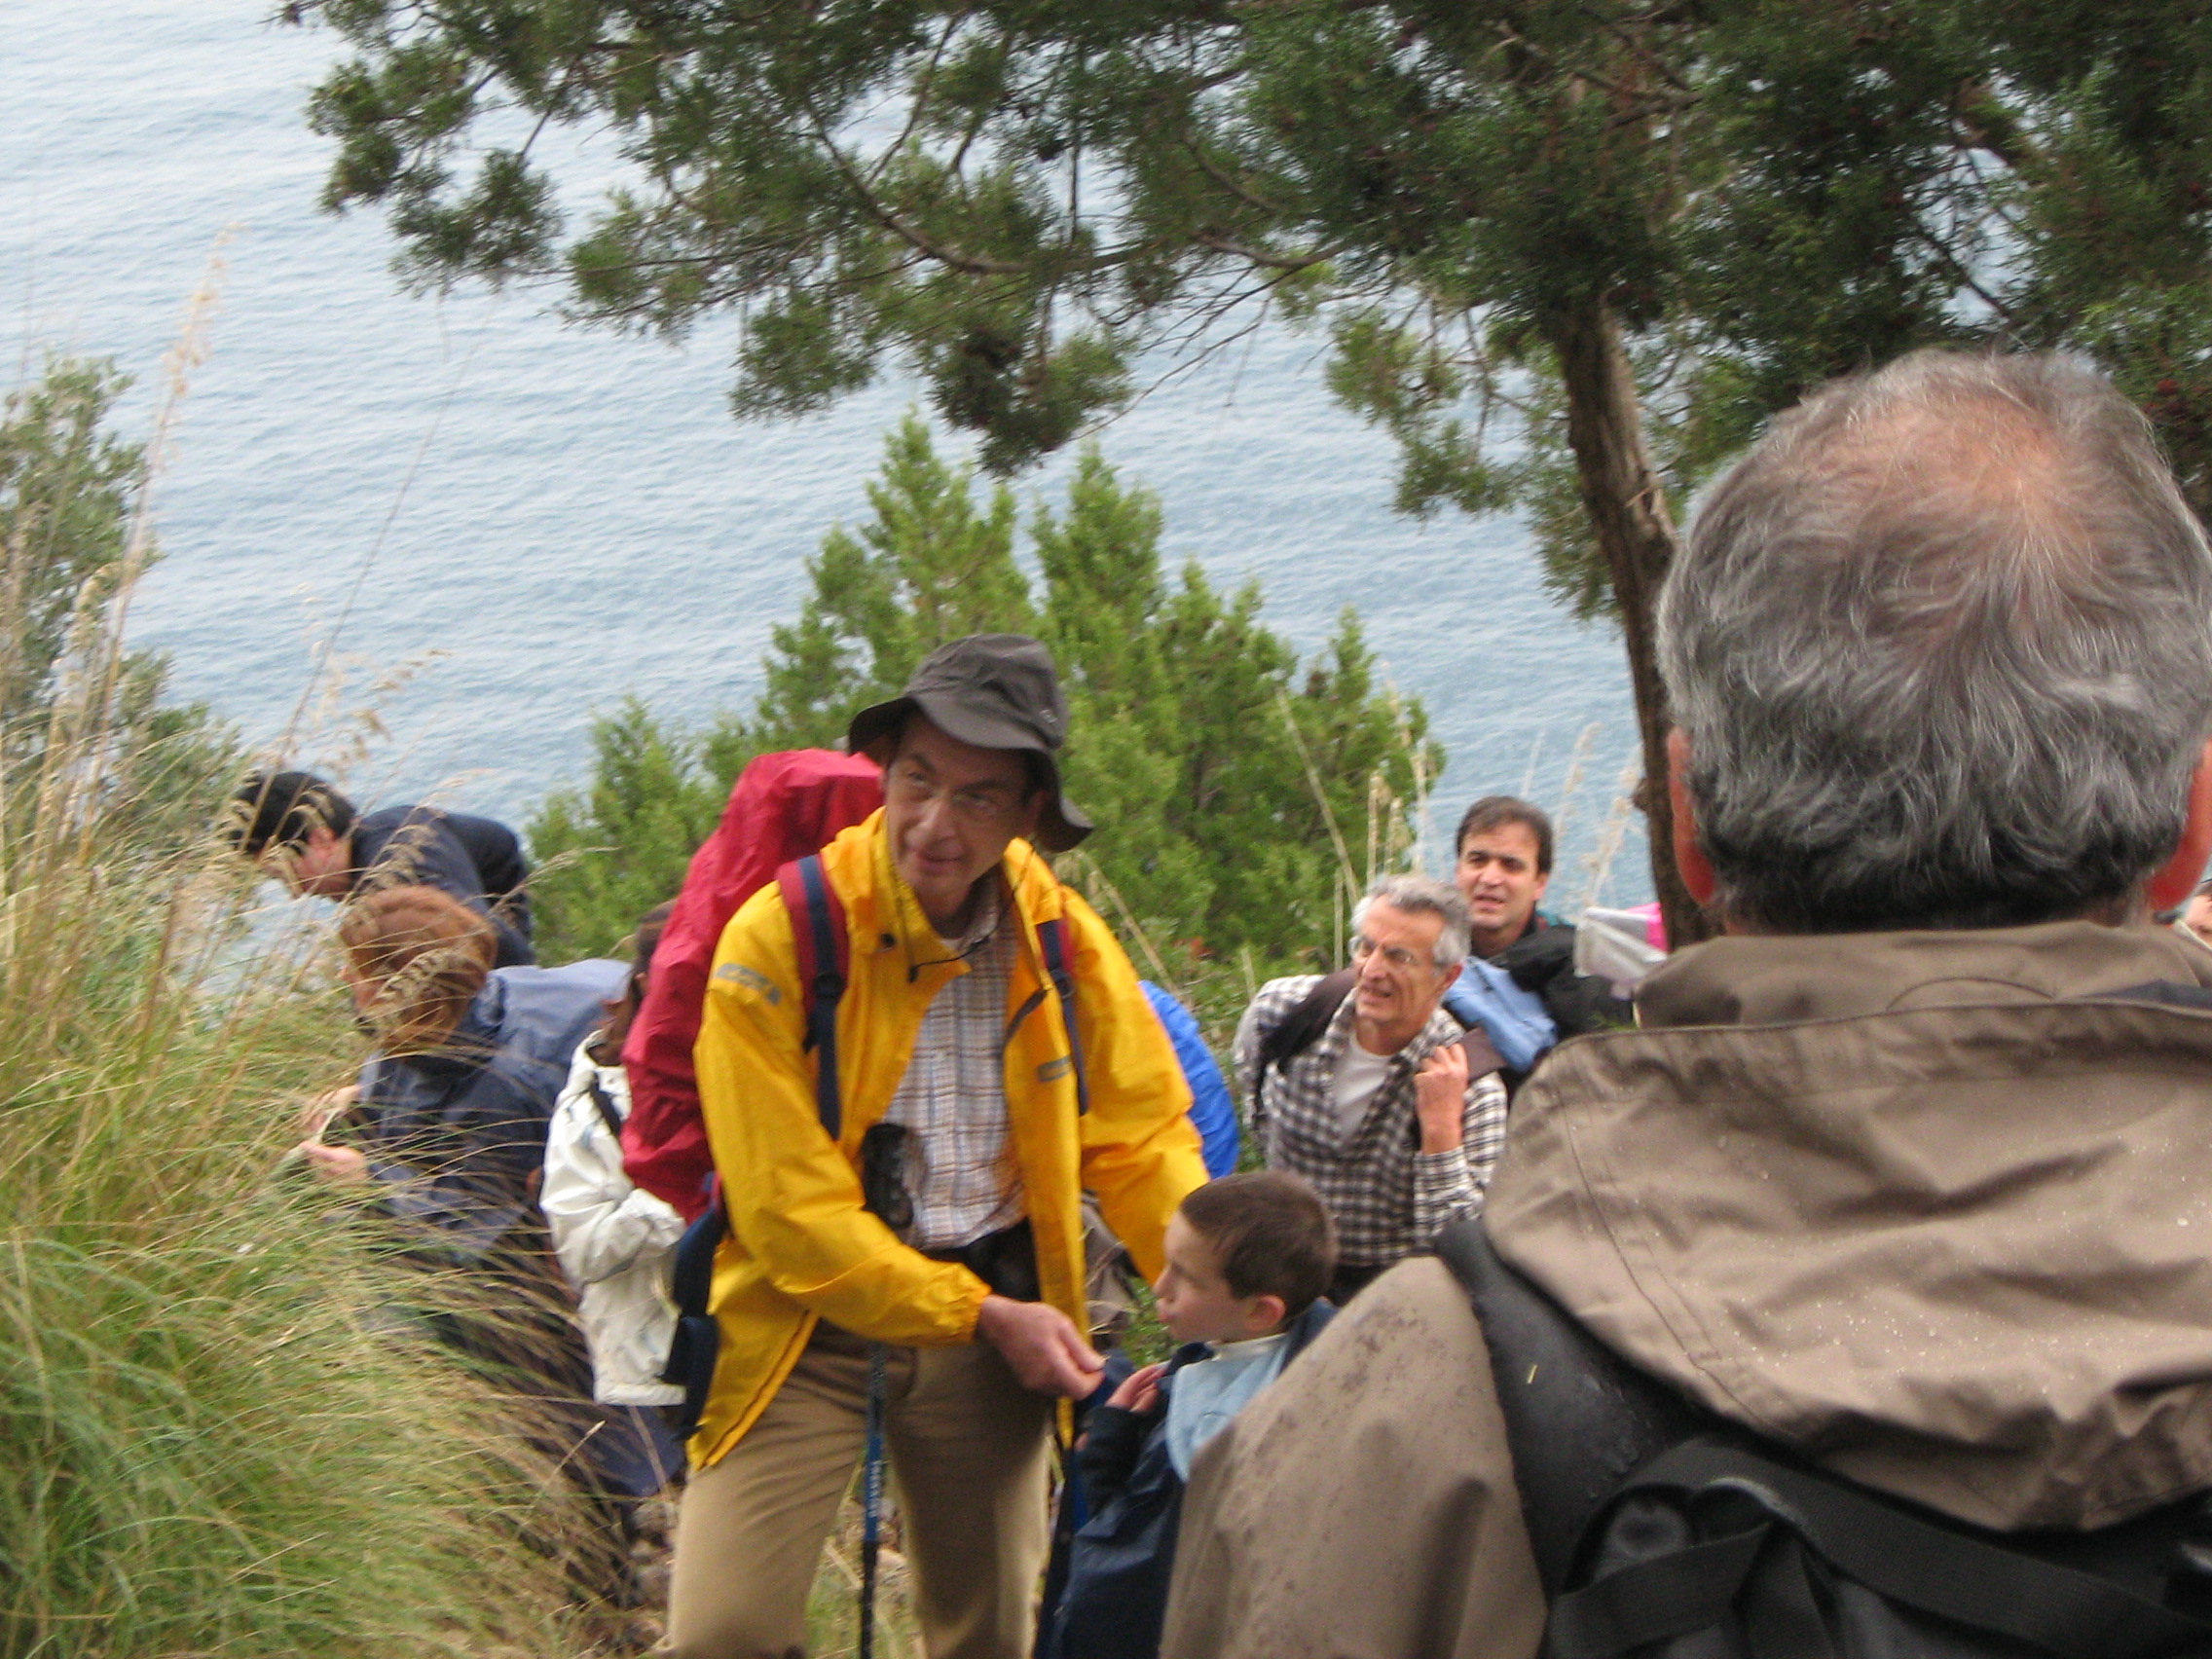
<point>875,728</point>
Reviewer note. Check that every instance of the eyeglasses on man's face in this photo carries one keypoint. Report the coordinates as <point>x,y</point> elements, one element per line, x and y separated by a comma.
<point>1395,957</point>
<point>983,806</point>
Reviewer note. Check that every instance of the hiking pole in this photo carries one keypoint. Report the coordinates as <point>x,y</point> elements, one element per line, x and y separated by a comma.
<point>871,1500</point>
<point>883,1155</point>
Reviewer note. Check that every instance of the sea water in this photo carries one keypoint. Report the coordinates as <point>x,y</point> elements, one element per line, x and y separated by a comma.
<point>481,525</point>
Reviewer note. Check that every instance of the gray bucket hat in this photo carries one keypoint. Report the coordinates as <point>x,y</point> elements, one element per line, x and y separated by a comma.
<point>995,691</point>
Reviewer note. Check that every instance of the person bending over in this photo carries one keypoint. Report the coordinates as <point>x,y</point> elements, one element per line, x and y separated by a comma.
<point>302,830</point>
<point>444,1134</point>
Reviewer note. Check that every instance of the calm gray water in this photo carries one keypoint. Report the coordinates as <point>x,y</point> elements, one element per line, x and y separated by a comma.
<point>565,517</point>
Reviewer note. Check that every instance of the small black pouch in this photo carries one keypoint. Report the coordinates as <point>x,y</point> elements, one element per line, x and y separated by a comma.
<point>1006,1261</point>
<point>883,1176</point>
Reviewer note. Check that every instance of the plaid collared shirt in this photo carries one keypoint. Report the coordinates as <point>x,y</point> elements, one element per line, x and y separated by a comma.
<point>960,1167</point>
<point>1388,1197</point>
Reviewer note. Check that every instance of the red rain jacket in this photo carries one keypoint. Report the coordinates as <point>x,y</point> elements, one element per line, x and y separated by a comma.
<point>783,806</point>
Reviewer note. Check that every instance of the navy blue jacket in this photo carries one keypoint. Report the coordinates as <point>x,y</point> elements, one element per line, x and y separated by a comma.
<point>455,1136</point>
<point>1116,1598</point>
<point>477,860</point>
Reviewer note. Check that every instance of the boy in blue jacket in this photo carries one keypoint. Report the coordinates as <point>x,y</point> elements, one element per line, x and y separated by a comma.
<point>1248,1257</point>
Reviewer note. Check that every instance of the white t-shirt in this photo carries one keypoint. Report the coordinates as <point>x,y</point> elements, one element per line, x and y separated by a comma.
<point>1359,1074</point>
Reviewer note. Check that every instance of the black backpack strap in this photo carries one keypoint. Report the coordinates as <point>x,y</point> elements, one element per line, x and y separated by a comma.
<point>1589,1433</point>
<point>1483,1056</point>
<point>606,1112</point>
<point>1934,1569</point>
<point>1300,1028</point>
<point>1579,1419</point>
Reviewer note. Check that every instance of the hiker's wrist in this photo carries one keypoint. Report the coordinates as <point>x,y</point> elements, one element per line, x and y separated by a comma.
<point>1443,1132</point>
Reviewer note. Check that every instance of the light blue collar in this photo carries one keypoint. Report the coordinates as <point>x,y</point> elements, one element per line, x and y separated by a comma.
<point>1204,1396</point>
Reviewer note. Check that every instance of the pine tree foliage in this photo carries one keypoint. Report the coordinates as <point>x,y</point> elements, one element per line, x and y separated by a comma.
<point>1570,252</point>
<point>68,485</point>
<point>1240,802</point>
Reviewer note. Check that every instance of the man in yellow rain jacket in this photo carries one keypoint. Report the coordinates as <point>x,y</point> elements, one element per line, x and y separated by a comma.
<point>953,1046</point>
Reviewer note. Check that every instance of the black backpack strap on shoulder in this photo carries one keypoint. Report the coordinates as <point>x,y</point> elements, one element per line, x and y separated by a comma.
<point>2049,1608</point>
<point>1579,1419</point>
<point>605,1109</point>
<point>1300,1028</point>
<point>1483,1056</point>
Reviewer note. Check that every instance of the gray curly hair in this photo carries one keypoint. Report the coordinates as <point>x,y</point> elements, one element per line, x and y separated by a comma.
<point>1420,895</point>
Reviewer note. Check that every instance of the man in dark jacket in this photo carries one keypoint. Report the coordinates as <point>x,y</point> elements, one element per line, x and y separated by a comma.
<point>302,830</point>
<point>1907,1181</point>
<point>1502,868</point>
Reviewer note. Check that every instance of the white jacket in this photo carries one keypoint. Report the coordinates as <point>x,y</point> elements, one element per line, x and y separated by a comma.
<point>616,1243</point>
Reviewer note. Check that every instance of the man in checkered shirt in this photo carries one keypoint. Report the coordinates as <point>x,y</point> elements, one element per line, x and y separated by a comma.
<point>1380,1112</point>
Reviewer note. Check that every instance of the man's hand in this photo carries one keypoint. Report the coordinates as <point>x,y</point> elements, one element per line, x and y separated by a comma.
<point>1139,1391</point>
<point>340,1165</point>
<point>1045,1352</point>
<point>1440,1097</point>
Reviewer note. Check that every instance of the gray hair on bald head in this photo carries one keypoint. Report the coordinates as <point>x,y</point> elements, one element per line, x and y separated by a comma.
<point>1942,644</point>
<point>1420,895</point>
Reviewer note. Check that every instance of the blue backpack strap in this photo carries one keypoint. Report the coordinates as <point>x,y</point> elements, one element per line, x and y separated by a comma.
<point>1052,940</point>
<point>825,954</point>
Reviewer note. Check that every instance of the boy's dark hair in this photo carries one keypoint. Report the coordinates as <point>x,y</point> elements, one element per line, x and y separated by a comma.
<point>1494,812</point>
<point>1271,1233</point>
<point>280,808</point>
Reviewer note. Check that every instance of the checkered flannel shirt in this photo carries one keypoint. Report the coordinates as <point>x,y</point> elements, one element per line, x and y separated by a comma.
<point>960,1167</point>
<point>1389,1198</point>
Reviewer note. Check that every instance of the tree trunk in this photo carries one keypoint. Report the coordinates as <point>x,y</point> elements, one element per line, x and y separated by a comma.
<point>1628,516</point>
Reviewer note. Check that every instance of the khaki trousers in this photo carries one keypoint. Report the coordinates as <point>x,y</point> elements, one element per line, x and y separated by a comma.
<point>970,1460</point>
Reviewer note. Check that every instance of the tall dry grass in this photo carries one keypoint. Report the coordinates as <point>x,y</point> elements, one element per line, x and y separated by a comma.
<point>222,1429</point>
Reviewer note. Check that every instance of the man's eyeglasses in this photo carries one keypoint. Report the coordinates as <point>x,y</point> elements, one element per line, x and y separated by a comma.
<point>1396,957</point>
<point>985,805</point>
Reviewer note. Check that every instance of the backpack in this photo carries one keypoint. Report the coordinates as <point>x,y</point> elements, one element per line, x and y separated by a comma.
<point>824,953</point>
<point>782,808</point>
<point>1664,1530</point>
<point>1310,1016</point>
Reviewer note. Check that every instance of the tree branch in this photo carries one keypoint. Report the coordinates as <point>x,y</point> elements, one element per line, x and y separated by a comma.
<point>972,265</point>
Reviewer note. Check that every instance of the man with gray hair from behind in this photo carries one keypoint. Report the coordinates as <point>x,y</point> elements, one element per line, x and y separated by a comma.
<point>1361,1083</point>
<point>1857,1301</point>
